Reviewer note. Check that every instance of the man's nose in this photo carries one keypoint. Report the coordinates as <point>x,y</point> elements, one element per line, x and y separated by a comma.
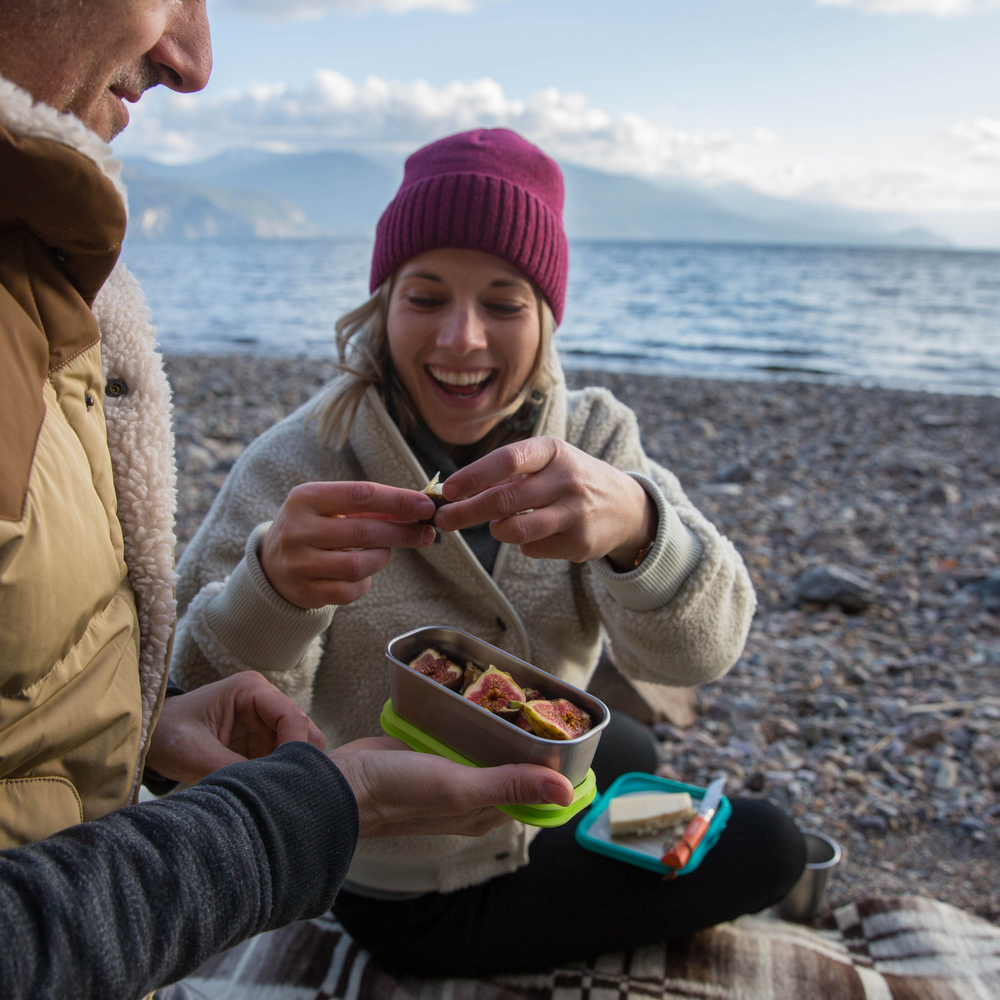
<point>183,54</point>
<point>463,331</point>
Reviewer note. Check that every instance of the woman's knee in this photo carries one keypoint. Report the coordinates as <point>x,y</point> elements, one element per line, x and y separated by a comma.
<point>772,845</point>
<point>626,745</point>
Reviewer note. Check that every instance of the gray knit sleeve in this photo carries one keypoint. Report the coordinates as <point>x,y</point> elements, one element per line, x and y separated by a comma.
<point>119,906</point>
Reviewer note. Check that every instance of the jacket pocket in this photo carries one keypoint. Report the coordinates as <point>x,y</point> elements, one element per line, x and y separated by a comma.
<point>33,808</point>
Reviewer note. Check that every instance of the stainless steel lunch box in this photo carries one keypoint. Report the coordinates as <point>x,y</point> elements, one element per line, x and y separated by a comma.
<point>475,733</point>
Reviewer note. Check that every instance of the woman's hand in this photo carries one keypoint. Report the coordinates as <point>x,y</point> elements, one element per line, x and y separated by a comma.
<point>329,539</point>
<point>554,501</point>
<point>238,718</point>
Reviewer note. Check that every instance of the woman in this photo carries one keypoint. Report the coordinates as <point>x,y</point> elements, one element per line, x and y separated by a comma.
<point>561,529</point>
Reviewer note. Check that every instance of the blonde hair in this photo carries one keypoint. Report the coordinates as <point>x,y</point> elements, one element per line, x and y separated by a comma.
<point>364,358</point>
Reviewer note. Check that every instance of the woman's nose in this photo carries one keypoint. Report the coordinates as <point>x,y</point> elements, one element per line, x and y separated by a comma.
<point>462,332</point>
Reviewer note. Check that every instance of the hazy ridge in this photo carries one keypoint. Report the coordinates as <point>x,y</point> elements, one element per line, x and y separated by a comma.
<point>248,194</point>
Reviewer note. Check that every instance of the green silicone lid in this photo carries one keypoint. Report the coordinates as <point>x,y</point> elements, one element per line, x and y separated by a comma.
<point>543,814</point>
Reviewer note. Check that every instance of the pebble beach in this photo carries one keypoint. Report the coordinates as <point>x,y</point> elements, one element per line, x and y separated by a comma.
<point>867,700</point>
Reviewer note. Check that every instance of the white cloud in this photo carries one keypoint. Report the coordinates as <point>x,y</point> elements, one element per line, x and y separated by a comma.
<point>378,114</point>
<point>980,138</point>
<point>951,170</point>
<point>302,10</point>
<point>936,8</point>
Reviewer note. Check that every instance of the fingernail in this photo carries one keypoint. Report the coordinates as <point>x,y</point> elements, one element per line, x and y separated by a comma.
<point>429,536</point>
<point>551,792</point>
<point>449,491</point>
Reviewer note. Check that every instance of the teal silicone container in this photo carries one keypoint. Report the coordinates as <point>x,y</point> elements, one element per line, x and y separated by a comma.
<point>592,831</point>
<point>543,814</point>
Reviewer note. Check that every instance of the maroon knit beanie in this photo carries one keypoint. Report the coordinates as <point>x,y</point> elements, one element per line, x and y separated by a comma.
<point>488,190</point>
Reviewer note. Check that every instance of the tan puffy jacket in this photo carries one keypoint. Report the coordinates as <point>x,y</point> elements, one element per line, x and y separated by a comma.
<point>87,484</point>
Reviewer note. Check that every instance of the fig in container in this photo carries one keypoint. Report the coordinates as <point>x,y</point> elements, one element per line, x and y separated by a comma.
<point>556,720</point>
<point>438,667</point>
<point>472,674</point>
<point>497,692</point>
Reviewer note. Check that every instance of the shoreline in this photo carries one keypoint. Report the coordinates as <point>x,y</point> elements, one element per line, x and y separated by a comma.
<point>768,376</point>
<point>826,713</point>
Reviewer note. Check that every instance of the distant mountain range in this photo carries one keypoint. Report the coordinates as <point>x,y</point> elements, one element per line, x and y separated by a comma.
<point>247,194</point>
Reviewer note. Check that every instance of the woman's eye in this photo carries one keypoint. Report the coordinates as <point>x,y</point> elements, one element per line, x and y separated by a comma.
<point>506,308</point>
<point>423,301</point>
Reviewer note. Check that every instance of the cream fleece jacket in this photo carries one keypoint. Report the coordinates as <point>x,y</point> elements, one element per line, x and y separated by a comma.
<point>681,618</point>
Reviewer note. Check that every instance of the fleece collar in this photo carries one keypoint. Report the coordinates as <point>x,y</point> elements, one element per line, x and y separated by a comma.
<point>141,443</point>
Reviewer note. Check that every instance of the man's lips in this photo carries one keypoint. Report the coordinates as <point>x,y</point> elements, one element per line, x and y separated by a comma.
<point>126,95</point>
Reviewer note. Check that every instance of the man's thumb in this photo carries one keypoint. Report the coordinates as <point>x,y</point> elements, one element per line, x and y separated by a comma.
<point>526,784</point>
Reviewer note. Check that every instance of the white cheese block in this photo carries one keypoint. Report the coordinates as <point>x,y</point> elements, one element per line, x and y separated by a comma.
<point>630,814</point>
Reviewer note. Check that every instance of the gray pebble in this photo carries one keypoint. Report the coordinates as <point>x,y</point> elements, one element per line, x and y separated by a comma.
<point>735,472</point>
<point>835,585</point>
<point>872,824</point>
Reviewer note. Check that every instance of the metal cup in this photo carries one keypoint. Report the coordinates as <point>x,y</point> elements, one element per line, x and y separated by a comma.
<point>803,902</point>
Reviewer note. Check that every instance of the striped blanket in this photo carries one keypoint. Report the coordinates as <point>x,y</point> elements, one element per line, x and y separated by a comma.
<point>905,948</point>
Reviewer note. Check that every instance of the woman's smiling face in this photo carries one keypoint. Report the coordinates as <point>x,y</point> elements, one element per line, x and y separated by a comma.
<point>463,330</point>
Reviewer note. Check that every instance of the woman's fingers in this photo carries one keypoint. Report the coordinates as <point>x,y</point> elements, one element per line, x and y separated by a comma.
<point>533,526</point>
<point>330,499</point>
<point>366,533</point>
<point>350,566</point>
<point>328,539</point>
<point>508,462</point>
<point>512,498</point>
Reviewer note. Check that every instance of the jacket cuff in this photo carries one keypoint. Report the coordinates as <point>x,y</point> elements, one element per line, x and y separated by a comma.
<point>255,623</point>
<point>675,553</point>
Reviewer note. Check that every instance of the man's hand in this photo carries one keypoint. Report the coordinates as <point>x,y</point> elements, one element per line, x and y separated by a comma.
<point>329,539</point>
<point>400,791</point>
<point>241,717</point>
<point>574,506</point>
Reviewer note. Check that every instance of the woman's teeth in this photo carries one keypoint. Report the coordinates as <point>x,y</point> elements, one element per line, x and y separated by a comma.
<point>460,378</point>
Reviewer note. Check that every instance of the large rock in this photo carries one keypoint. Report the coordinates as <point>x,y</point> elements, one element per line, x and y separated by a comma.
<point>835,585</point>
<point>988,590</point>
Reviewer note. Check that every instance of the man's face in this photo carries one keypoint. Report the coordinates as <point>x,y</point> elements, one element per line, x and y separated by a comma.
<point>90,57</point>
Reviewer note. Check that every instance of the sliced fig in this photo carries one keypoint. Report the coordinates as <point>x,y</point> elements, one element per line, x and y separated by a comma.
<point>494,691</point>
<point>472,674</point>
<point>522,721</point>
<point>438,668</point>
<point>532,694</point>
<point>511,712</point>
<point>557,720</point>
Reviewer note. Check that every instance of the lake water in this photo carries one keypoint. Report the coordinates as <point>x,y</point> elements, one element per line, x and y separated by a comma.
<point>909,319</point>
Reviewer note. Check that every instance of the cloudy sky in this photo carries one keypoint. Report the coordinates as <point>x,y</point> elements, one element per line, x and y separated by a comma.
<point>891,105</point>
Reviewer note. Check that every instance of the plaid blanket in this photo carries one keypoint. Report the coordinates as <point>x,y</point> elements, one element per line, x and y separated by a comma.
<point>905,948</point>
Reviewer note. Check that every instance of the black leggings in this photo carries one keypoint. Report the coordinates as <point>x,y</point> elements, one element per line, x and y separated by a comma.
<point>570,903</point>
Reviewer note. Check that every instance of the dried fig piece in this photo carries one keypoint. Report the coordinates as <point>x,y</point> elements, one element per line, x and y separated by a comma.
<point>472,674</point>
<point>557,720</point>
<point>438,668</point>
<point>494,691</point>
